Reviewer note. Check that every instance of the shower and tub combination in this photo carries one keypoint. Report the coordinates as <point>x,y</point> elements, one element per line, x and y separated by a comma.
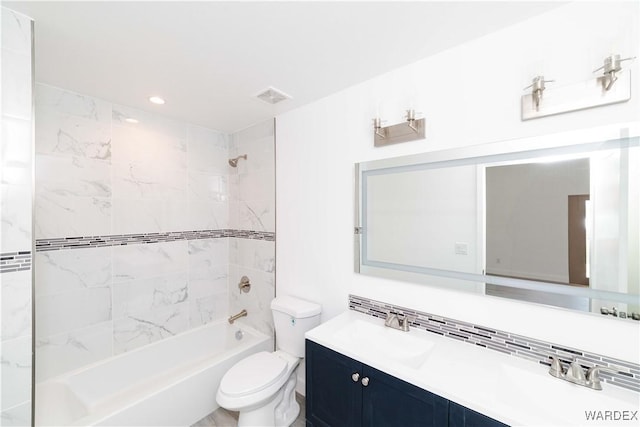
<point>136,275</point>
<point>169,383</point>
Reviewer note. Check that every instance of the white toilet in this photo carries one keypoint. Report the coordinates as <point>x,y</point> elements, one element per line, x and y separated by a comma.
<point>262,386</point>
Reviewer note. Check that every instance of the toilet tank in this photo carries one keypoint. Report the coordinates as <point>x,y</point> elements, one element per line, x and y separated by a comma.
<point>292,317</point>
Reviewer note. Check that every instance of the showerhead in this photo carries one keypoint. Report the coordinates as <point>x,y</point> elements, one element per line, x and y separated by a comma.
<point>234,162</point>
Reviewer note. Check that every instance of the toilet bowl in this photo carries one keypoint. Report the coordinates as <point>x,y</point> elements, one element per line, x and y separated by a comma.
<point>262,386</point>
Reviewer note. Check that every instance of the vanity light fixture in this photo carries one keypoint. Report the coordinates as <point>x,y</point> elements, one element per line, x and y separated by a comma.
<point>156,100</point>
<point>410,130</point>
<point>611,87</point>
<point>610,68</point>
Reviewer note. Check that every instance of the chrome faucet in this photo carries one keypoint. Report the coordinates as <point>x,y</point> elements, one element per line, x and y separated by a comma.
<point>394,321</point>
<point>575,374</point>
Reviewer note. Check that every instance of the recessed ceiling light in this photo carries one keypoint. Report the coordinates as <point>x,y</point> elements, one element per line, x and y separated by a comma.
<point>131,120</point>
<point>156,100</point>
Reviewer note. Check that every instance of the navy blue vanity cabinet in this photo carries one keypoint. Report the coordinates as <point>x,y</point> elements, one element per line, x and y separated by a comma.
<point>333,398</point>
<point>459,416</point>
<point>344,392</point>
<point>388,401</point>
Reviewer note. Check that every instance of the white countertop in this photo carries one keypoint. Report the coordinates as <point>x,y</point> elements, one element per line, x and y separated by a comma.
<point>509,389</point>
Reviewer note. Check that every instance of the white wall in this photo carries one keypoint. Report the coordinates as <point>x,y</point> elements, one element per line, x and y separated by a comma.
<point>469,95</point>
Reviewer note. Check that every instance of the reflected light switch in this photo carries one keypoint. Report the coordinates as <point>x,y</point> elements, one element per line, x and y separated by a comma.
<point>462,248</point>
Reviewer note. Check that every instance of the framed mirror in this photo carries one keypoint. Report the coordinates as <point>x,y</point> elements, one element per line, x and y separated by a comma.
<point>552,220</point>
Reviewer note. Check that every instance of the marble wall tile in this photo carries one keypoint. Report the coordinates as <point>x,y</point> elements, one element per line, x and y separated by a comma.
<point>210,281</point>
<point>140,297</point>
<point>16,84</point>
<point>72,269</point>
<point>138,216</point>
<point>73,310</point>
<point>256,186</point>
<point>208,309</point>
<point>72,176</point>
<point>148,146</point>
<point>18,416</point>
<point>258,215</point>
<point>16,31</point>
<point>208,187</point>
<point>71,216</point>
<point>149,182</point>
<point>15,211</point>
<point>15,307</point>
<point>150,122</point>
<point>255,254</point>
<point>138,262</point>
<point>15,151</point>
<point>16,372</point>
<point>66,103</point>
<point>208,253</point>
<point>71,124</point>
<point>207,151</point>
<point>136,331</point>
<point>71,350</point>
<point>208,215</point>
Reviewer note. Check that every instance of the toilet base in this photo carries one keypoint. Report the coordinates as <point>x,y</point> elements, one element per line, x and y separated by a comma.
<point>281,411</point>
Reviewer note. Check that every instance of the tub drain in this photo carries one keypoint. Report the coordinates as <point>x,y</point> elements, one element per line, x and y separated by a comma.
<point>239,334</point>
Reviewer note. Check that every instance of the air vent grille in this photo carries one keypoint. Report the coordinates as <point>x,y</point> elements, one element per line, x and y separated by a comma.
<point>272,95</point>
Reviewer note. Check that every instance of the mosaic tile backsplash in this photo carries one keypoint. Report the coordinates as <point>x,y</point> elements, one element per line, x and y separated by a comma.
<point>145,238</point>
<point>15,261</point>
<point>516,345</point>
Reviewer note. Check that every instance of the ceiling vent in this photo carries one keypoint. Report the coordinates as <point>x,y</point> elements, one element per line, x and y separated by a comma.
<point>272,95</point>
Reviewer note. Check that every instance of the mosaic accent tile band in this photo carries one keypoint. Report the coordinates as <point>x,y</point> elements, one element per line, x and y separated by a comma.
<point>515,345</point>
<point>43,245</point>
<point>15,261</point>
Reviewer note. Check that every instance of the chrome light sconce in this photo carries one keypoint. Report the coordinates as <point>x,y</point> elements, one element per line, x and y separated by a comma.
<point>613,86</point>
<point>410,130</point>
<point>612,65</point>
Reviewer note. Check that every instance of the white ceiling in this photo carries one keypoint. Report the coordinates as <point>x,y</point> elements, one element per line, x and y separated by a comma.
<point>209,59</point>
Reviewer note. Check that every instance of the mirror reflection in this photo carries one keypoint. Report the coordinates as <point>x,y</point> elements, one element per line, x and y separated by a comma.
<point>553,226</point>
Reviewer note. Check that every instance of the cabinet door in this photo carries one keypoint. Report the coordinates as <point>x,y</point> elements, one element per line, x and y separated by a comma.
<point>459,416</point>
<point>333,397</point>
<point>388,401</point>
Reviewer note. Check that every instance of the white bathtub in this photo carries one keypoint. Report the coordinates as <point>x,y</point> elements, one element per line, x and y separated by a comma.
<point>169,383</point>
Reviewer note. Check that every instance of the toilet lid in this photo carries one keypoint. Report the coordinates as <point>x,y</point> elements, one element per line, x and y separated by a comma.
<point>253,374</point>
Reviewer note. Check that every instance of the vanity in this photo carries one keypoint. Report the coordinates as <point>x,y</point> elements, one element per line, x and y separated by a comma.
<point>361,373</point>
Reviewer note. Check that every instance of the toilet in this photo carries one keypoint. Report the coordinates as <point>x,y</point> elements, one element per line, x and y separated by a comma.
<point>262,386</point>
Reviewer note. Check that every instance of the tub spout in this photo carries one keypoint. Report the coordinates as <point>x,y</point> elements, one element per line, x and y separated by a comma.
<point>235,317</point>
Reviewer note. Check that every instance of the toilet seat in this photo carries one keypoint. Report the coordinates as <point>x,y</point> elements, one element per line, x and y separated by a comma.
<point>253,374</point>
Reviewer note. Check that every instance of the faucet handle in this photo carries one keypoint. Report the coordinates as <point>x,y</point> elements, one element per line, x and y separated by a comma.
<point>390,316</point>
<point>556,368</point>
<point>575,373</point>
<point>593,376</point>
<point>404,323</point>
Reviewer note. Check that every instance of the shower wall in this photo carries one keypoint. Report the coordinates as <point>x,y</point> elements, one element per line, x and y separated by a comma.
<point>132,229</point>
<point>15,229</point>
<point>252,209</point>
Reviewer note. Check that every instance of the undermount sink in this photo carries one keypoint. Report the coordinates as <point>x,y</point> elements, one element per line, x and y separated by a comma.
<point>394,345</point>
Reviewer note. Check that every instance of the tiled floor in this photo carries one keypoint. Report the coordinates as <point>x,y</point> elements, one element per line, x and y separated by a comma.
<point>224,418</point>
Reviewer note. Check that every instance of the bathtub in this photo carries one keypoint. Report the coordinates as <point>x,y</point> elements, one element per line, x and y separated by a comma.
<point>172,382</point>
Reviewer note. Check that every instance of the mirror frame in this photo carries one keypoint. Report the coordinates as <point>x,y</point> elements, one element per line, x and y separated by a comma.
<point>621,136</point>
